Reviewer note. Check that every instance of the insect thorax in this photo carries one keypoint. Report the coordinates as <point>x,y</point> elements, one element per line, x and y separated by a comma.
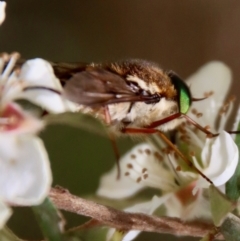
<point>140,114</point>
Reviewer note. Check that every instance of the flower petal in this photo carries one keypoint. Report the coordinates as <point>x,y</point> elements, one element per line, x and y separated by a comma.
<point>2,11</point>
<point>25,171</point>
<point>141,167</point>
<point>111,187</point>
<point>197,207</point>
<point>5,213</point>
<point>38,72</point>
<point>214,76</point>
<point>220,157</point>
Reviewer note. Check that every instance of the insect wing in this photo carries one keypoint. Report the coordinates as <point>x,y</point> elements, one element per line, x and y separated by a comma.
<point>97,86</point>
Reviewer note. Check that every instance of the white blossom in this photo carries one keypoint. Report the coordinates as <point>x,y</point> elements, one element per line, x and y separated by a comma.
<point>33,73</point>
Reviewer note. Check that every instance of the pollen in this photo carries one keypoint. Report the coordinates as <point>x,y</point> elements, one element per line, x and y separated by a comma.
<point>129,166</point>
<point>158,156</point>
<point>139,179</point>
<point>147,151</point>
<point>145,176</point>
<point>194,111</point>
<point>144,170</point>
<point>133,156</point>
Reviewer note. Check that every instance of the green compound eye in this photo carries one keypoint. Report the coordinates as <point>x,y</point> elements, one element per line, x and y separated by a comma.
<point>183,93</point>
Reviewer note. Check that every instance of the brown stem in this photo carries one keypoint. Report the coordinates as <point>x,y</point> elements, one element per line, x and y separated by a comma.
<point>127,221</point>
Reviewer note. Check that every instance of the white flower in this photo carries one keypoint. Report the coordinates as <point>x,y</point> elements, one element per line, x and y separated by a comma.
<point>2,11</point>
<point>24,164</point>
<point>25,172</point>
<point>33,73</point>
<point>182,191</point>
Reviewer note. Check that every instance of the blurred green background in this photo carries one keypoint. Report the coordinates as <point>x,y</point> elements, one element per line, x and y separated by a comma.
<point>180,35</point>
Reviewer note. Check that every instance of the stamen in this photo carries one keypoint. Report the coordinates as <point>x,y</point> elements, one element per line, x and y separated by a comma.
<point>160,177</point>
<point>3,59</point>
<point>196,140</point>
<point>226,114</point>
<point>9,68</point>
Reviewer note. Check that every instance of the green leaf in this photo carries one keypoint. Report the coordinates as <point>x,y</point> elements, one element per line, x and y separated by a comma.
<point>7,235</point>
<point>79,120</point>
<point>233,185</point>
<point>30,107</point>
<point>49,221</point>
<point>220,205</point>
<point>231,228</point>
<point>89,234</point>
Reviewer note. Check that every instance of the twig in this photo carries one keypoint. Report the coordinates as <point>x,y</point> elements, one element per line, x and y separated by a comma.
<point>127,221</point>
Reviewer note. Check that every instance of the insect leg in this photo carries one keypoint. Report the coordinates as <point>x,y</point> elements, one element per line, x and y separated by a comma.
<point>204,130</point>
<point>178,115</point>
<point>113,141</point>
<point>169,143</point>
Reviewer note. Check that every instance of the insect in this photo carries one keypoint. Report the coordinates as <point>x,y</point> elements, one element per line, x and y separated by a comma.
<point>129,94</point>
<point>133,96</point>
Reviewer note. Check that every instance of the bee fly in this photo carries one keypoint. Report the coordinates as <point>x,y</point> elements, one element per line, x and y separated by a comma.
<point>133,96</point>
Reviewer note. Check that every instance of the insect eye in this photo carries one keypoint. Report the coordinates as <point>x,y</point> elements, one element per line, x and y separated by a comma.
<point>183,92</point>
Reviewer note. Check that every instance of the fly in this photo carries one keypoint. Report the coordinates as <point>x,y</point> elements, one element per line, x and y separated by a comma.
<point>133,97</point>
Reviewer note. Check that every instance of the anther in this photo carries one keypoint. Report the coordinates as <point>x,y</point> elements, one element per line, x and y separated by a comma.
<point>139,180</point>
<point>147,151</point>
<point>133,156</point>
<point>145,176</point>
<point>129,165</point>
